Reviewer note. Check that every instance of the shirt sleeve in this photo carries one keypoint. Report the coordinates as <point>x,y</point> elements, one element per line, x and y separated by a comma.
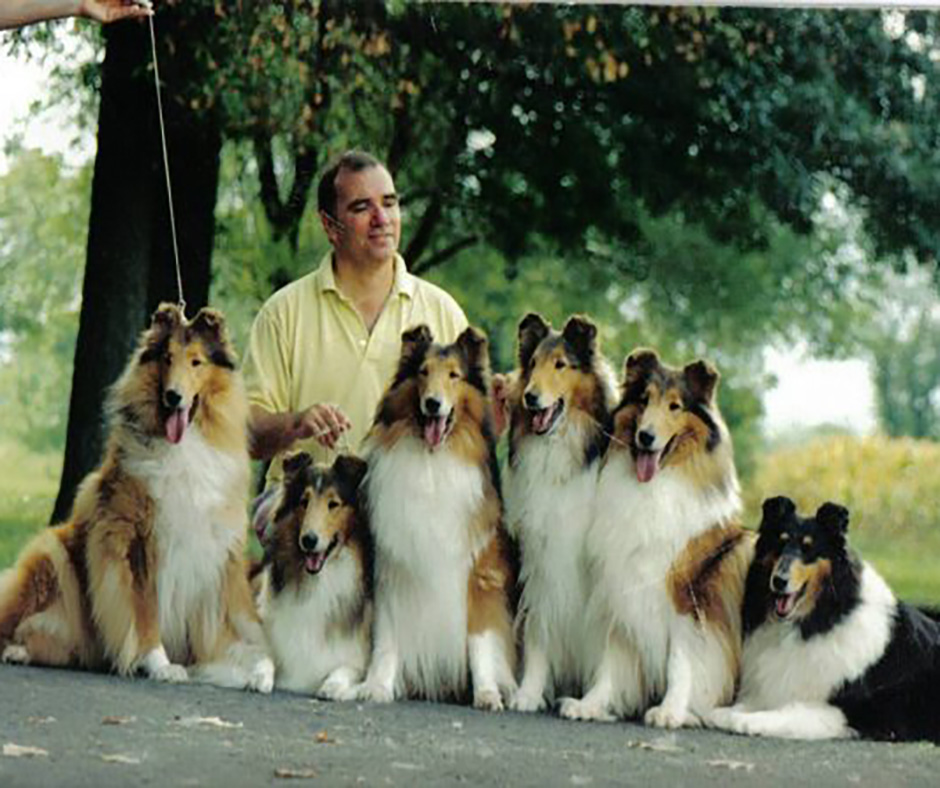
<point>266,368</point>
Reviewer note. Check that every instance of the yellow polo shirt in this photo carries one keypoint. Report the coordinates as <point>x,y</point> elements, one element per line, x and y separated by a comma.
<point>309,345</point>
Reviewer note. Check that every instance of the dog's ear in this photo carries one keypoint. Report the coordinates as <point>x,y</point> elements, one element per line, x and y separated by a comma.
<point>640,364</point>
<point>702,380</point>
<point>416,339</point>
<point>532,330</point>
<point>833,518</point>
<point>474,348</point>
<point>209,325</point>
<point>775,511</point>
<point>580,334</point>
<point>296,463</point>
<point>166,318</point>
<point>350,471</point>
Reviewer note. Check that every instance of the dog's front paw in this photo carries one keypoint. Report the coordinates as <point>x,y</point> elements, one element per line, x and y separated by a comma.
<point>527,701</point>
<point>488,700</point>
<point>170,673</point>
<point>337,688</point>
<point>574,709</point>
<point>665,716</point>
<point>15,655</point>
<point>723,718</point>
<point>374,693</point>
<point>261,678</point>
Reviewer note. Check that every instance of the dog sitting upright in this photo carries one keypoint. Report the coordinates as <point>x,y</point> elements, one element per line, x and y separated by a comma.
<point>314,593</point>
<point>441,574</point>
<point>559,408</point>
<point>828,651</point>
<point>148,573</point>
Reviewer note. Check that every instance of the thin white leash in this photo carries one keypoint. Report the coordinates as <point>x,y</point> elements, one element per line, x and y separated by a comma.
<point>166,158</point>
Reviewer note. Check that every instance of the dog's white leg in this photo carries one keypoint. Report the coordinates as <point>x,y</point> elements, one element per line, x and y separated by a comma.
<point>674,711</point>
<point>14,654</point>
<point>597,703</point>
<point>156,665</point>
<point>338,684</point>
<point>382,676</point>
<point>531,694</point>
<point>794,721</point>
<point>489,669</point>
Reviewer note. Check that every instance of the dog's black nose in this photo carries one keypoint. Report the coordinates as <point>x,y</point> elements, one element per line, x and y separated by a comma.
<point>778,584</point>
<point>308,542</point>
<point>172,398</point>
<point>645,439</point>
<point>531,400</point>
<point>432,406</point>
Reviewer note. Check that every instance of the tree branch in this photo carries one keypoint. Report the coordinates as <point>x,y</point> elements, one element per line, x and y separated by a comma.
<point>438,258</point>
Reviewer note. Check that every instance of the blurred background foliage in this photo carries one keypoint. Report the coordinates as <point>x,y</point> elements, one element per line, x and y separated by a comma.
<point>710,182</point>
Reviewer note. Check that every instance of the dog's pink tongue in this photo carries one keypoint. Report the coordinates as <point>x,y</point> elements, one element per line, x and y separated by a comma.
<point>647,463</point>
<point>314,562</point>
<point>542,419</point>
<point>434,432</point>
<point>176,425</point>
<point>784,605</point>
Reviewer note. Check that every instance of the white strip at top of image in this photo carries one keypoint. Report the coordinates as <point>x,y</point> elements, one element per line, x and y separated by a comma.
<point>900,5</point>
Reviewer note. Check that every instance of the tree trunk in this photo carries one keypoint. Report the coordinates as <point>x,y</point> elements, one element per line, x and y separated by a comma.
<point>130,267</point>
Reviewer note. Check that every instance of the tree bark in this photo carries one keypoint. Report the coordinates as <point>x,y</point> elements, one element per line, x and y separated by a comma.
<point>129,267</point>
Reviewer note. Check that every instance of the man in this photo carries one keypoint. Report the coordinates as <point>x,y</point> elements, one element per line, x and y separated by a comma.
<point>323,349</point>
<point>15,13</point>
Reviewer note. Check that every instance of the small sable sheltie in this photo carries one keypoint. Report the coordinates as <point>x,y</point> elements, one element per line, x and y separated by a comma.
<point>669,562</point>
<point>314,593</point>
<point>148,573</point>
<point>828,651</point>
<point>441,570</point>
<point>560,405</point>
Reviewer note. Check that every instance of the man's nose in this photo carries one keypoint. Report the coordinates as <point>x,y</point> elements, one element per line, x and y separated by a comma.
<point>379,216</point>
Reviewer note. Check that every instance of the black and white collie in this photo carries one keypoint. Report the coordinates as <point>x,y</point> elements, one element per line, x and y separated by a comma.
<point>829,652</point>
<point>441,570</point>
<point>559,404</point>
<point>314,589</point>
<point>668,558</point>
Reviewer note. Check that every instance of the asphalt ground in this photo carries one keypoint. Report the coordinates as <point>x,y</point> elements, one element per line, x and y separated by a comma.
<point>100,730</point>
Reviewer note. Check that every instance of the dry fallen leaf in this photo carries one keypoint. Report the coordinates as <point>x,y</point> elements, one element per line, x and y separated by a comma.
<point>206,722</point>
<point>295,774</point>
<point>732,765</point>
<point>116,758</point>
<point>11,750</point>
<point>118,720</point>
<point>324,738</point>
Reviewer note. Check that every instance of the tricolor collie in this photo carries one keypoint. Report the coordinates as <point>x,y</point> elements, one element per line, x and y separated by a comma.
<point>668,558</point>
<point>559,408</point>
<point>314,589</point>
<point>148,574</point>
<point>828,651</point>
<point>441,574</point>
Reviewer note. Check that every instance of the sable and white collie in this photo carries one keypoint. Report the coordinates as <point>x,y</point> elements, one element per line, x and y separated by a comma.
<point>828,651</point>
<point>314,590</point>
<point>668,558</point>
<point>560,406</point>
<point>148,573</point>
<point>441,571</point>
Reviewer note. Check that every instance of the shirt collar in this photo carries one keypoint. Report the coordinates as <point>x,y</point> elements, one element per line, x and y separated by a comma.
<point>402,285</point>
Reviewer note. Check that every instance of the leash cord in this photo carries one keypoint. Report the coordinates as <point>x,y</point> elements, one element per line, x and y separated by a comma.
<point>166,157</point>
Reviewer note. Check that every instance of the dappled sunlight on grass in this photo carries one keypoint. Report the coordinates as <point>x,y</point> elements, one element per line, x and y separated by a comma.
<point>28,486</point>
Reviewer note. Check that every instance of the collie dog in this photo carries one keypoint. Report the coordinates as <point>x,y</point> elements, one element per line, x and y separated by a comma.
<point>559,408</point>
<point>669,562</point>
<point>441,570</point>
<point>148,573</point>
<point>314,588</point>
<point>828,651</point>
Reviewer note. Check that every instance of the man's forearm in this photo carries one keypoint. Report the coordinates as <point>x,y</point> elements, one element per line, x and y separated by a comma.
<point>15,13</point>
<point>271,433</point>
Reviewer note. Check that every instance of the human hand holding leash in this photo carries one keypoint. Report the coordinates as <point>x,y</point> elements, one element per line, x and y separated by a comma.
<point>17,13</point>
<point>323,421</point>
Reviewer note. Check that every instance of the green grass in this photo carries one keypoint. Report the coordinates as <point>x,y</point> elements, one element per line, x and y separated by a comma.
<point>28,486</point>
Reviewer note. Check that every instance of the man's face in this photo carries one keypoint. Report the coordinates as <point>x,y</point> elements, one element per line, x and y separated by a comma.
<point>369,222</point>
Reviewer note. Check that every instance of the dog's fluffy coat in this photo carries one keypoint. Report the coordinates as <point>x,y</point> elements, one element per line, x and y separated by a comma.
<point>441,574</point>
<point>148,572</point>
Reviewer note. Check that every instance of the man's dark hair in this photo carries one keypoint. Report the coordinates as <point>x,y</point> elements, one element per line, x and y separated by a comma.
<point>352,160</point>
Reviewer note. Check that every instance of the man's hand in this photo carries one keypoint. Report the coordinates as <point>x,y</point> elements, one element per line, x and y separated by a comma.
<point>106,11</point>
<point>323,422</point>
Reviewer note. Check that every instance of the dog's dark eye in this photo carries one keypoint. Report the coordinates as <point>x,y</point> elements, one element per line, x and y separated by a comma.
<point>644,400</point>
<point>674,406</point>
<point>332,505</point>
<point>560,364</point>
<point>423,372</point>
<point>196,362</point>
<point>454,375</point>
